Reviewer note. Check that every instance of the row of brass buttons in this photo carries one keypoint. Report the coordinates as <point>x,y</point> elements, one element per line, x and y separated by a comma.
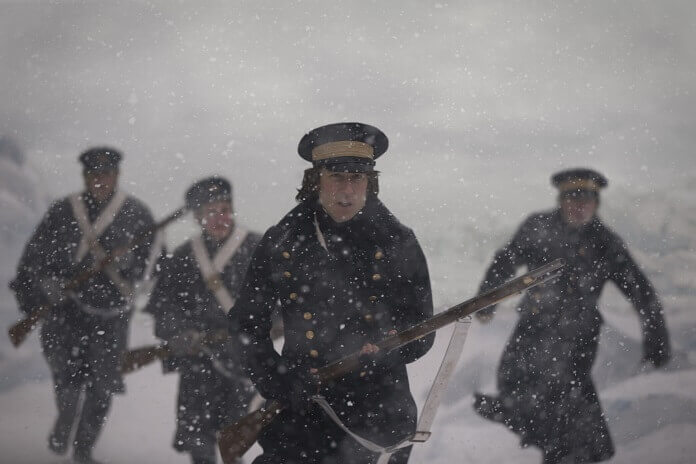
<point>308,316</point>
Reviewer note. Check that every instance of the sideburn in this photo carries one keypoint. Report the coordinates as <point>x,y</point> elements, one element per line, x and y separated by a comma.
<point>309,190</point>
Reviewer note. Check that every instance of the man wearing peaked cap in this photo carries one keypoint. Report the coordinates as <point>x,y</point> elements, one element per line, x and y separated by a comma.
<point>346,274</point>
<point>100,159</point>
<point>190,303</point>
<point>86,332</point>
<point>546,394</point>
<point>350,147</point>
<point>207,191</point>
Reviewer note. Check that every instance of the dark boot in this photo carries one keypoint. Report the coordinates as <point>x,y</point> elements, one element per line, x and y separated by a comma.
<point>67,399</point>
<point>94,410</point>
<point>205,453</point>
<point>81,458</point>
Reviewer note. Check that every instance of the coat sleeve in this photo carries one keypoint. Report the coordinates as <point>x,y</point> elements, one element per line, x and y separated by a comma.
<point>507,260</point>
<point>41,260</point>
<point>134,265</point>
<point>416,302</point>
<point>252,314</point>
<point>172,297</point>
<point>633,283</point>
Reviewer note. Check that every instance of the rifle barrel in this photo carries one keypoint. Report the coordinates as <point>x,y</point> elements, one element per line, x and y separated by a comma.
<point>236,439</point>
<point>19,330</point>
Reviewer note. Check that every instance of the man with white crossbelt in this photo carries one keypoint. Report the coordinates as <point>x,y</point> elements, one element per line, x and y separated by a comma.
<point>86,331</point>
<point>190,303</point>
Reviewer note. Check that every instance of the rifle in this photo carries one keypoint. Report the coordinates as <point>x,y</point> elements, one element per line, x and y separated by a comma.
<point>140,357</point>
<point>234,440</point>
<point>18,331</point>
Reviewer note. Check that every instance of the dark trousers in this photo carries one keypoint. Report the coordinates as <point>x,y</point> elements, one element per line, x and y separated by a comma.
<point>87,415</point>
<point>313,438</point>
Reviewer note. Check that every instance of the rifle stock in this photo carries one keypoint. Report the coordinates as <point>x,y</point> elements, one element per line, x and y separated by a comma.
<point>141,357</point>
<point>236,439</point>
<point>19,330</point>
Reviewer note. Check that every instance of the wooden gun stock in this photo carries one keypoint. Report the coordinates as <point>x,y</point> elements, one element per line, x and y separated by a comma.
<point>134,359</point>
<point>141,357</point>
<point>236,439</point>
<point>18,331</point>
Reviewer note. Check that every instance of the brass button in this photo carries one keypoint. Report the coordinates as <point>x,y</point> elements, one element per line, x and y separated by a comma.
<point>373,298</point>
<point>309,334</point>
<point>535,310</point>
<point>286,255</point>
<point>379,255</point>
<point>376,277</point>
<point>363,373</point>
<point>314,353</point>
<point>307,316</point>
<point>582,251</point>
<point>293,296</point>
<point>287,274</point>
<point>368,317</point>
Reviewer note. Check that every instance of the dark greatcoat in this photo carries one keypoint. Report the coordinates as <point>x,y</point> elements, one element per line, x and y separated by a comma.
<point>546,392</point>
<point>211,395</point>
<point>82,348</point>
<point>374,278</point>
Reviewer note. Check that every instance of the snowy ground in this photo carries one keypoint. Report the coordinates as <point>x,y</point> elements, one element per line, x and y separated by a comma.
<point>652,415</point>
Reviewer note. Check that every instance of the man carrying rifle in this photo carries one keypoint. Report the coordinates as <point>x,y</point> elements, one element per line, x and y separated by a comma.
<point>546,392</point>
<point>190,303</point>
<point>85,333</point>
<point>345,274</point>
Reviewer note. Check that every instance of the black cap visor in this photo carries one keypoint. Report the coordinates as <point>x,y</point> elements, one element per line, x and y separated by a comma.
<point>99,169</point>
<point>346,164</point>
<point>580,194</point>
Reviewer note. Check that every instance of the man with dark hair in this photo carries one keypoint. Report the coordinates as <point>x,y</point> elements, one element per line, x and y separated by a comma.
<point>344,273</point>
<point>86,332</point>
<point>195,292</point>
<point>546,394</point>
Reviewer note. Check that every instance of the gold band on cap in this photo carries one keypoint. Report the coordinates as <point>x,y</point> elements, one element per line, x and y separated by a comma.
<point>342,148</point>
<point>579,184</point>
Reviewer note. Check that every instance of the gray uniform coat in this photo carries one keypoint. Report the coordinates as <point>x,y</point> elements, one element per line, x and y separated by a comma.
<point>213,389</point>
<point>373,278</point>
<point>546,392</point>
<point>84,337</point>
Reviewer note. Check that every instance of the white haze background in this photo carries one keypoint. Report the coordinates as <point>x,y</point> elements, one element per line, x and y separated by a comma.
<point>481,100</point>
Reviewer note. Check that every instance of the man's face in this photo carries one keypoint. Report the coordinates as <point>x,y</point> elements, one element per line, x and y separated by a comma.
<point>342,194</point>
<point>578,211</point>
<point>216,219</point>
<point>101,184</point>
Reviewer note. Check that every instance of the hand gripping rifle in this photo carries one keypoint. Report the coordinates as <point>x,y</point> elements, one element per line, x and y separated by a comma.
<point>18,332</point>
<point>140,357</point>
<point>136,358</point>
<point>236,439</point>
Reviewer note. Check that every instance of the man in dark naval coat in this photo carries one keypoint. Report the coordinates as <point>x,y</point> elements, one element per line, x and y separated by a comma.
<point>85,334</point>
<point>190,303</point>
<point>546,394</point>
<point>344,273</point>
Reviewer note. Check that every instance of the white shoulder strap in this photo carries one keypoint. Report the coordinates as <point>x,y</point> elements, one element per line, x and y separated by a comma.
<point>92,231</point>
<point>225,253</point>
<point>447,368</point>
<point>211,269</point>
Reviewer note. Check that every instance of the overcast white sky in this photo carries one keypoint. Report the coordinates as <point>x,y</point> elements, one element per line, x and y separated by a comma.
<point>482,100</point>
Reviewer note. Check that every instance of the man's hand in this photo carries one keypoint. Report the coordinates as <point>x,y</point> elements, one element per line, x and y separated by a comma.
<point>485,315</point>
<point>53,289</point>
<point>301,386</point>
<point>187,343</point>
